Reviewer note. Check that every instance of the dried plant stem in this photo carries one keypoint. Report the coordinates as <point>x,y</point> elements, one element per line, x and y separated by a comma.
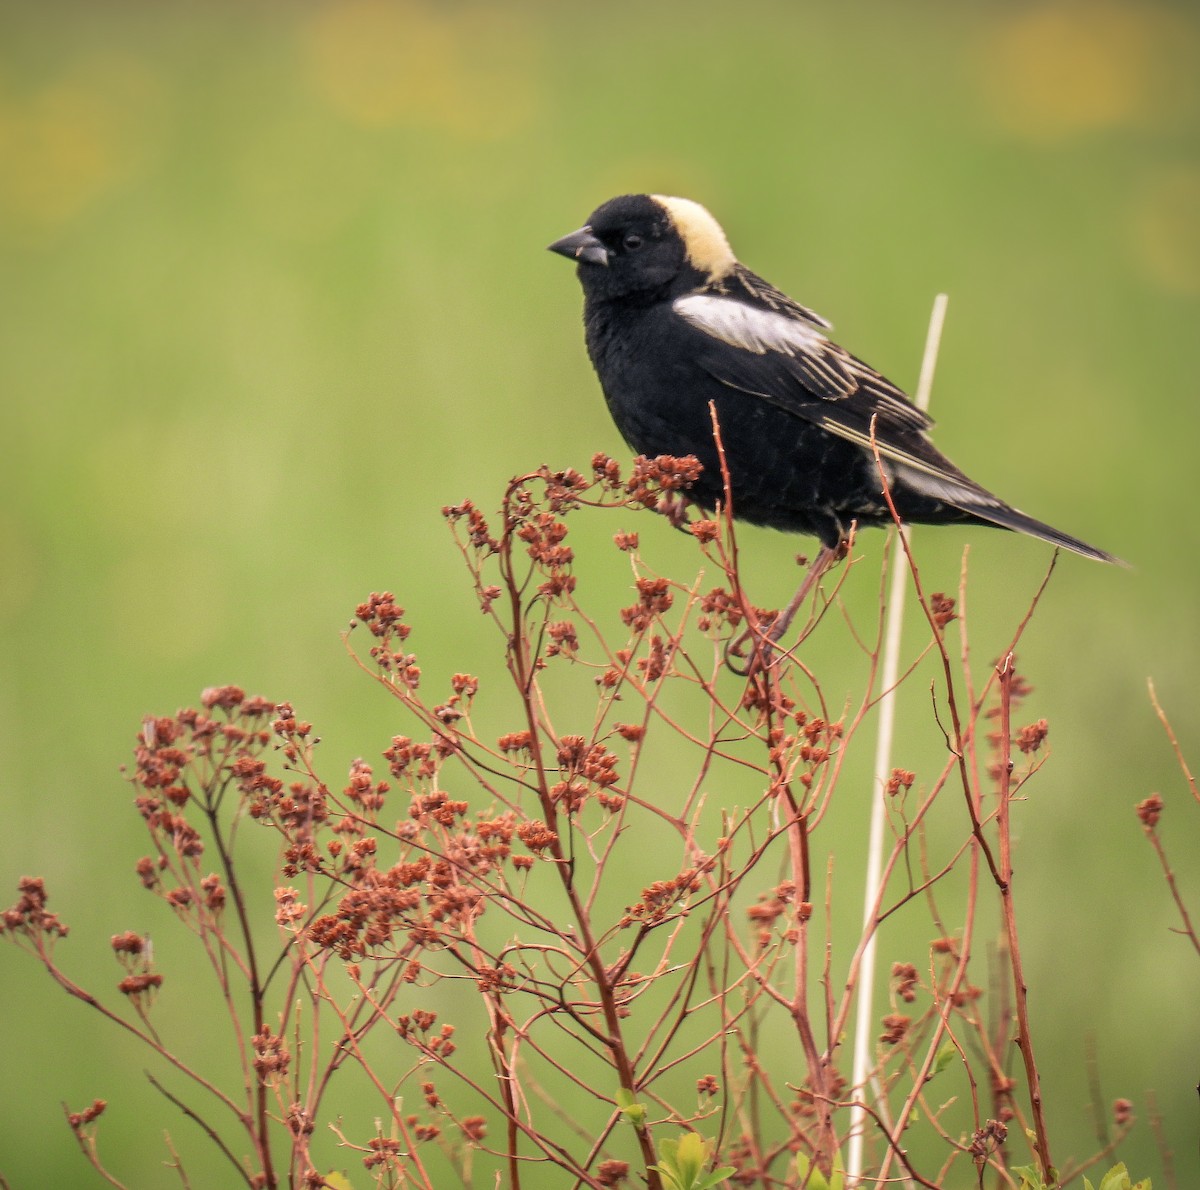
<point>87,1146</point>
<point>942,1027</point>
<point>256,1088</point>
<point>1188,930</point>
<point>1005,671</point>
<point>883,764</point>
<point>204,1125</point>
<point>523,671</point>
<point>1162,718</point>
<point>147,1038</point>
<point>818,1064</point>
<point>723,971</point>
<point>1160,1139</point>
<point>1150,828</point>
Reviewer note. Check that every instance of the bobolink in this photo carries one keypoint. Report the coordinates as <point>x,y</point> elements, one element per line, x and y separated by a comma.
<point>674,321</point>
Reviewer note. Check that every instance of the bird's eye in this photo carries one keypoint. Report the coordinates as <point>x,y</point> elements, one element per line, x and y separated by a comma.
<point>632,242</point>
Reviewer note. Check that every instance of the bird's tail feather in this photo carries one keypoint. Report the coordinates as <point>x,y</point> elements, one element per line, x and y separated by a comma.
<point>1010,518</point>
<point>945,483</point>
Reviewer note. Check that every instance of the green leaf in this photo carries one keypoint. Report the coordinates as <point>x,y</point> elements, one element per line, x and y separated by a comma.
<point>683,1160</point>
<point>810,1176</point>
<point>1118,1178</point>
<point>691,1155</point>
<point>945,1058</point>
<point>816,1179</point>
<point>629,1107</point>
<point>1031,1177</point>
<point>721,1174</point>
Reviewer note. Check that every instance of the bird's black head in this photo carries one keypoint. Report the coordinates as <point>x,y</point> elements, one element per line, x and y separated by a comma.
<point>647,245</point>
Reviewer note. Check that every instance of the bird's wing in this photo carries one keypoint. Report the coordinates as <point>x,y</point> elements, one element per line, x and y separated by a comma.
<point>742,282</point>
<point>778,353</point>
<point>770,347</point>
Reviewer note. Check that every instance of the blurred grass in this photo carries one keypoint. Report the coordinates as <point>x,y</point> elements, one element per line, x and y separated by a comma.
<point>275,291</point>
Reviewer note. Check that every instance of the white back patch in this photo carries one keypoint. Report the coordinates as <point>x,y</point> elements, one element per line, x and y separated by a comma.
<point>707,247</point>
<point>749,327</point>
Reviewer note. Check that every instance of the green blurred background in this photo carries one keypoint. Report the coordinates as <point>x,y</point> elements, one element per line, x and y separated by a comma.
<point>275,290</point>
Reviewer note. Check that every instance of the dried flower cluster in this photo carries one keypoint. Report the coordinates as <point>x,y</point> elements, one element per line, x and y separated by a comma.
<point>558,941</point>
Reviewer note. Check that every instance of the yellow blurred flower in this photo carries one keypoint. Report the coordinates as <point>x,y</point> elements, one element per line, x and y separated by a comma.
<point>76,139</point>
<point>464,69</point>
<point>1166,229</point>
<point>1057,69</point>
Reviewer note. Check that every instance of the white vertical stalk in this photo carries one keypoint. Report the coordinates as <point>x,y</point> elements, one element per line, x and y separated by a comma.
<point>864,1015</point>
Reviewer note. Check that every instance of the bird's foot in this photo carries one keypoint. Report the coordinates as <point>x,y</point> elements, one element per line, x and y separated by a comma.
<point>674,506</point>
<point>762,653</point>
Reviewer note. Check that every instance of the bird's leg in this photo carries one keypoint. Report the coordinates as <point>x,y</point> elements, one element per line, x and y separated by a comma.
<point>827,556</point>
<point>675,507</point>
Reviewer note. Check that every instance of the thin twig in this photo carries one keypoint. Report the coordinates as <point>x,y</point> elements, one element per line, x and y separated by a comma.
<point>204,1125</point>
<point>1162,718</point>
<point>1024,1040</point>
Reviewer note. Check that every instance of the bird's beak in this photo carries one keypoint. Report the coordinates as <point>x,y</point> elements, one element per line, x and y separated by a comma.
<point>581,245</point>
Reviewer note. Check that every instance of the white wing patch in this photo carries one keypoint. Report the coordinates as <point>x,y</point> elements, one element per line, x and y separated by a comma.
<point>748,327</point>
<point>939,487</point>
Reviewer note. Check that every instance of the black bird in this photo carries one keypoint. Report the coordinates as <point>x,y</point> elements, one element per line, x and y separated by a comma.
<point>674,321</point>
